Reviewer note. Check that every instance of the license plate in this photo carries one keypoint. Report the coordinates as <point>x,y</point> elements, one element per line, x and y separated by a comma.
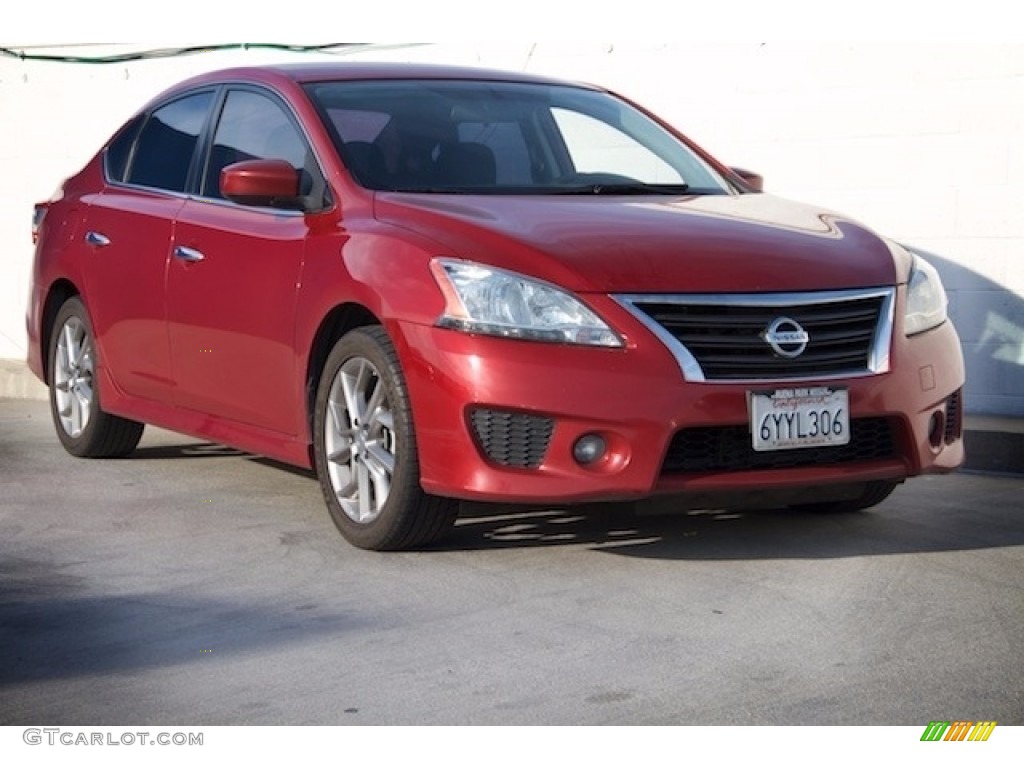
<point>800,417</point>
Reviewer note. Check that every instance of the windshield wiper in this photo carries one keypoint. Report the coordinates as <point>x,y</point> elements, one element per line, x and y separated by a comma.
<point>631,188</point>
<point>615,188</point>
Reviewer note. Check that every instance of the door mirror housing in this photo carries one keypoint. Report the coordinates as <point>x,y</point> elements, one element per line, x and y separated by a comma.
<point>261,183</point>
<point>754,181</point>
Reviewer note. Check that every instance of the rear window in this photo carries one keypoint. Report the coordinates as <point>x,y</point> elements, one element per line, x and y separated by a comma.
<point>119,151</point>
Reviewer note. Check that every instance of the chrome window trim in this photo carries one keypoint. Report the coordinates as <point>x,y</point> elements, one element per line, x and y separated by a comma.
<point>878,355</point>
<point>220,90</point>
<point>189,196</point>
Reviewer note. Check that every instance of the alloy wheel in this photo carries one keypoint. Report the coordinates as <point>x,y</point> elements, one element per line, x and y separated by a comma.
<point>359,438</point>
<point>73,377</point>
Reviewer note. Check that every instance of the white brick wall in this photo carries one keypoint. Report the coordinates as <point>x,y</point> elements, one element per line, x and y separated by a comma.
<point>924,142</point>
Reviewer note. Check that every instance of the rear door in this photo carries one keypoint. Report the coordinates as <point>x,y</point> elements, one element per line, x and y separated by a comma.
<point>127,240</point>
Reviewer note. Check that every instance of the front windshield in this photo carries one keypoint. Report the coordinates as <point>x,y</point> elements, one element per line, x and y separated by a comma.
<point>466,136</point>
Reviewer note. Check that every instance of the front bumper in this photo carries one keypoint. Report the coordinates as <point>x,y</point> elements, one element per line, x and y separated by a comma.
<point>637,400</point>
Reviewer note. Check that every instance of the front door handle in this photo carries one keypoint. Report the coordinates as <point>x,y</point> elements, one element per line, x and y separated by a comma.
<point>188,254</point>
<point>96,238</point>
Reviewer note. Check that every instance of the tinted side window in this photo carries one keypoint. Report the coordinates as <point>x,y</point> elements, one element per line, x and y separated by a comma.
<point>254,127</point>
<point>168,141</point>
<point>120,149</point>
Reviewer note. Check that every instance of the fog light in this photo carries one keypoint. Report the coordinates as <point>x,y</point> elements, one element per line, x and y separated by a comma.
<point>589,449</point>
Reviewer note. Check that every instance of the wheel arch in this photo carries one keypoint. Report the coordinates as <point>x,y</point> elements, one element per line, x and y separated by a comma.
<point>336,323</point>
<point>61,290</point>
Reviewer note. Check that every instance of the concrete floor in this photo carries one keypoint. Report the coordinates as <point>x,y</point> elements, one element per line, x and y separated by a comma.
<point>194,585</point>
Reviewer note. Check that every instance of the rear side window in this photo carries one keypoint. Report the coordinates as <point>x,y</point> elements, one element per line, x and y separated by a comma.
<point>120,150</point>
<point>163,154</point>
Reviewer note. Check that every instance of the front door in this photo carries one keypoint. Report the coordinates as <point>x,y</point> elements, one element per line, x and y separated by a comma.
<point>234,276</point>
<point>231,290</point>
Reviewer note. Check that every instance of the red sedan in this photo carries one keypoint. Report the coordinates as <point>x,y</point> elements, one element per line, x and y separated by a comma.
<point>435,284</point>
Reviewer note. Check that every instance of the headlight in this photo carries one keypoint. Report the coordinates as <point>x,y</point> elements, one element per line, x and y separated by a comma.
<point>926,298</point>
<point>487,300</point>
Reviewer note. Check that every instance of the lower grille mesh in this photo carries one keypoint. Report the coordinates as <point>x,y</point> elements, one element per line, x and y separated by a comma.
<point>510,438</point>
<point>954,417</point>
<point>729,449</point>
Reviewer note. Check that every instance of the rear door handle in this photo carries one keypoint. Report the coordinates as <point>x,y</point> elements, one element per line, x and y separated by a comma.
<point>96,238</point>
<point>187,254</point>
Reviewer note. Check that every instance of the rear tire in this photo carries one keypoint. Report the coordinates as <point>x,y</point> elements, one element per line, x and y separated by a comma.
<point>874,493</point>
<point>82,425</point>
<point>365,452</point>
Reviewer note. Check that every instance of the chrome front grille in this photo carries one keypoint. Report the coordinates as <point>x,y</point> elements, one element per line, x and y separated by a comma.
<point>726,337</point>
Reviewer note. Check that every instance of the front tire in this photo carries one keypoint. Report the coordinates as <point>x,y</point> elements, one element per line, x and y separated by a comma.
<point>82,425</point>
<point>365,449</point>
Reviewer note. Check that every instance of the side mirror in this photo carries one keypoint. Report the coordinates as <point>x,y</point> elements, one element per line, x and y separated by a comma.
<point>753,180</point>
<point>260,182</point>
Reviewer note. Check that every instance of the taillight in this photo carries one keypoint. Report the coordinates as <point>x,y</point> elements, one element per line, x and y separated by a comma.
<point>37,219</point>
<point>40,212</point>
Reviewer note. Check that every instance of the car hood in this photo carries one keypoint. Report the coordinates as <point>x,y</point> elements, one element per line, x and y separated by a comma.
<point>718,243</point>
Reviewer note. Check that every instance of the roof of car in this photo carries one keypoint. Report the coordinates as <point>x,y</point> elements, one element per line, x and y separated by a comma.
<point>308,72</point>
<point>281,75</point>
